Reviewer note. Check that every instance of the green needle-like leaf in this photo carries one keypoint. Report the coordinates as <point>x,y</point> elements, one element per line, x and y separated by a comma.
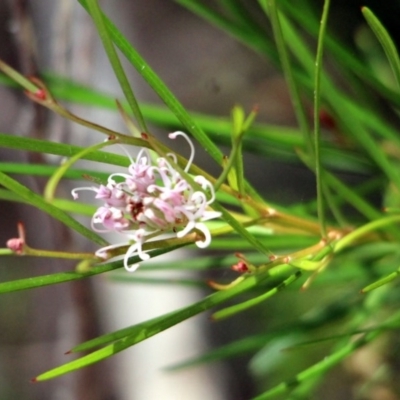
<point>97,16</point>
<point>233,310</point>
<point>160,88</point>
<point>271,9</point>
<point>317,110</point>
<point>383,281</point>
<point>48,170</point>
<point>62,277</point>
<point>127,337</point>
<point>386,41</point>
<point>67,150</point>
<point>37,201</point>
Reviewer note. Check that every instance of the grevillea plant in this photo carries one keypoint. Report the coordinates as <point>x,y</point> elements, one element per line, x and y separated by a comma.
<point>149,201</point>
<point>337,255</point>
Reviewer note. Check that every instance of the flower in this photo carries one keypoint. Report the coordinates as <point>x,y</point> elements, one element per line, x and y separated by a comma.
<point>150,200</point>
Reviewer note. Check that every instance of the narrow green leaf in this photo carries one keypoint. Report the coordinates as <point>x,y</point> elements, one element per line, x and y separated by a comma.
<point>237,146</point>
<point>37,201</point>
<point>54,180</point>
<point>218,128</point>
<point>317,109</point>
<point>177,316</point>
<point>380,282</point>
<point>272,11</point>
<point>348,194</point>
<point>92,358</point>
<point>339,102</point>
<point>97,16</point>
<point>377,224</point>
<point>69,206</point>
<point>386,41</point>
<point>237,308</point>
<point>18,78</point>
<point>67,150</point>
<point>56,278</point>
<point>342,52</point>
<point>48,170</point>
<point>62,277</point>
<point>120,340</point>
<point>160,88</point>
<point>352,197</point>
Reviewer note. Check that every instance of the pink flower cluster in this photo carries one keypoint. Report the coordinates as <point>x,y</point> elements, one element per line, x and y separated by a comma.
<point>151,200</point>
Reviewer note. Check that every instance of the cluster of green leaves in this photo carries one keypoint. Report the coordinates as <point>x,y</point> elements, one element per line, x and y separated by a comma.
<point>342,232</point>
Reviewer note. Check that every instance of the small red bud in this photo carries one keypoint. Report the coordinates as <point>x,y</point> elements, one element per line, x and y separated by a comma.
<point>40,94</point>
<point>16,245</point>
<point>240,267</point>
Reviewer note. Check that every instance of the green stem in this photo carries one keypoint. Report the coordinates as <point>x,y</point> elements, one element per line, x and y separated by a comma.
<point>228,165</point>
<point>160,88</point>
<point>386,41</point>
<point>230,311</point>
<point>37,201</point>
<point>97,16</point>
<point>28,251</point>
<point>363,230</point>
<point>317,130</point>
<point>6,252</point>
<point>17,77</point>
<point>52,105</point>
<point>52,183</point>
<point>273,12</point>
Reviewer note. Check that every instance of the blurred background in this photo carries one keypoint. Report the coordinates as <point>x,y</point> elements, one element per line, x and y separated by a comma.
<point>209,72</point>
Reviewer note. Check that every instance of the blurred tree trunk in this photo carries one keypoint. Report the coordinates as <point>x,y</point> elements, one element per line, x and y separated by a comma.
<point>38,326</point>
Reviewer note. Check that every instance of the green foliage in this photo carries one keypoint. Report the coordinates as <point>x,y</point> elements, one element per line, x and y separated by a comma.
<point>341,246</point>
